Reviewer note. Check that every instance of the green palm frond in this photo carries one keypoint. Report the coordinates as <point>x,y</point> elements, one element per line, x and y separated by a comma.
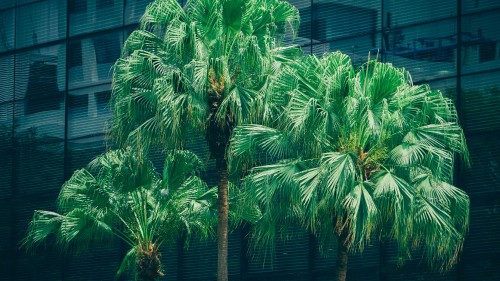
<point>120,195</point>
<point>377,156</point>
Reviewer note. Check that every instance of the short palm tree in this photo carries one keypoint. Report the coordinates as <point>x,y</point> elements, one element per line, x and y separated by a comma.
<point>200,68</point>
<point>357,155</point>
<point>120,195</point>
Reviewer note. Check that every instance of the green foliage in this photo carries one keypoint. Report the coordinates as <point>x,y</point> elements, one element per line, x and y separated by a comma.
<point>120,195</point>
<point>185,66</point>
<point>362,152</point>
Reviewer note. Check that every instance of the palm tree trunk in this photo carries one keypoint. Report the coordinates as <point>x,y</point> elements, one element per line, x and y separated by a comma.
<point>222,227</point>
<point>342,258</point>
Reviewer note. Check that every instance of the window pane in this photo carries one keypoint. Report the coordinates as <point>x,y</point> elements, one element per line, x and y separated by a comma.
<point>7,30</point>
<point>82,151</point>
<point>7,78</point>
<point>4,4</point>
<point>6,150</point>
<point>40,165</point>
<point>480,42</point>
<point>304,35</point>
<point>39,91</point>
<point>357,48</point>
<point>134,9</point>
<point>91,15</point>
<point>334,20</point>
<point>46,264</point>
<point>91,59</point>
<point>469,6</point>
<point>428,51</point>
<point>400,13</point>
<point>481,97</point>
<point>40,22</point>
<point>89,111</point>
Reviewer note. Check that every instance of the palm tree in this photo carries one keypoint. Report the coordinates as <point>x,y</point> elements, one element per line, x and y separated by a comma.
<point>357,155</point>
<point>202,68</point>
<point>120,195</point>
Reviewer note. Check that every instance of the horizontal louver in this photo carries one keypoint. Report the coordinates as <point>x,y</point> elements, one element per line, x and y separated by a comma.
<point>92,15</point>
<point>40,22</point>
<point>7,18</point>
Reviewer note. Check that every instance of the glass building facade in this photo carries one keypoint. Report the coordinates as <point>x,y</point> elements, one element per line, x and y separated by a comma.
<point>55,69</point>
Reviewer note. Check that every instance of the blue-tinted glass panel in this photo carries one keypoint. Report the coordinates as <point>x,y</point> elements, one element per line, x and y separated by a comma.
<point>473,6</point>
<point>481,97</point>
<point>428,51</point>
<point>134,9</point>
<point>7,19</point>
<point>100,262</point>
<point>46,264</point>
<point>357,48</point>
<point>40,22</point>
<point>4,4</point>
<point>7,78</point>
<point>200,260</point>
<point>333,20</point>
<point>89,111</point>
<point>484,174</point>
<point>480,42</point>
<point>91,15</point>
<point>82,151</point>
<point>90,60</point>
<point>6,151</point>
<point>447,86</point>
<point>40,165</point>
<point>304,33</point>
<point>400,13</point>
<point>39,91</point>
<point>291,255</point>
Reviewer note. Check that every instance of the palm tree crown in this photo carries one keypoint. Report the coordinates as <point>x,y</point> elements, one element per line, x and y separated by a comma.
<point>356,152</point>
<point>202,68</point>
<point>119,195</point>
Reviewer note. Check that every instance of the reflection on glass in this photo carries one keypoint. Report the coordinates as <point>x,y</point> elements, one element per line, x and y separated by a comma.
<point>6,78</point>
<point>5,149</point>
<point>39,91</point>
<point>134,9</point>
<point>6,30</point>
<point>481,97</point>
<point>339,19</point>
<point>480,43</point>
<point>91,15</point>
<point>40,22</point>
<point>428,51</point>
<point>88,111</point>
<point>91,59</point>
<point>410,12</point>
<point>82,151</point>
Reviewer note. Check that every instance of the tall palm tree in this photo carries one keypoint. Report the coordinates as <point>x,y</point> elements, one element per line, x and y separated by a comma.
<point>357,155</point>
<point>120,195</point>
<point>200,68</point>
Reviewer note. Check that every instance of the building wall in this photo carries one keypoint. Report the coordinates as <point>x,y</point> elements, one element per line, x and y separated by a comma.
<point>55,68</point>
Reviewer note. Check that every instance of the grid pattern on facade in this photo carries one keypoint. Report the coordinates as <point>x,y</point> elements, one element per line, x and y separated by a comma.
<point>55,69</point>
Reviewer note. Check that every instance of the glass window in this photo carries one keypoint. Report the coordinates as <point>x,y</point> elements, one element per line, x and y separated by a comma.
<point>471,6</point>
<point>88,111</point>
<point>40,22</point>
<point>428,51</point>
<point>7,30</point>
<point>334,19</point>
<point>40,164</point>
<point>357,48</point>
<point>480,99</point>
<point>39,91</point>
<point>49,260</point>
<point>7,78</point>
<point>4,4</point>
<point>134,9</point>
<point>401,13</point>
<point>82,151</point>
<point>480,42</point>
<point>6,151</point>
<point>447,86</point>
<point>91,15</point>
<point>91,59</point>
